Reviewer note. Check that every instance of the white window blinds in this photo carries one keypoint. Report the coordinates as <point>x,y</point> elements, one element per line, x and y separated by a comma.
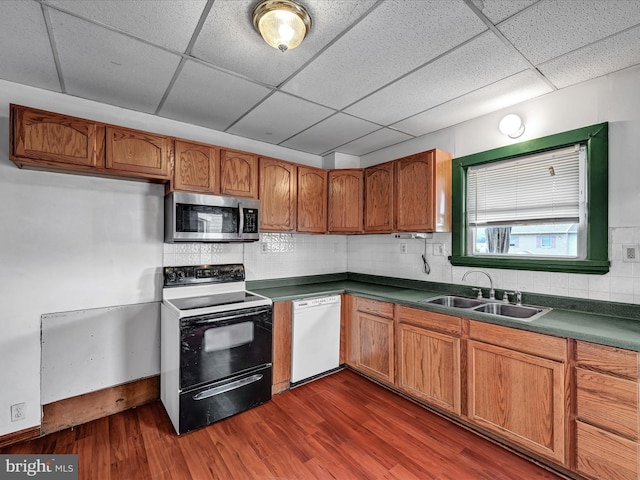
<point>541,188</point>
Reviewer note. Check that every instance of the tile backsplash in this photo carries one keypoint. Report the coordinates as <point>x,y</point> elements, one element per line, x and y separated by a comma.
<point>275,255</point>
<point>382,255</point>
<point>282,255</point>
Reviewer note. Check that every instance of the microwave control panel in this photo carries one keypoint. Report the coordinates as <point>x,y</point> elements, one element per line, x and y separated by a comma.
<point>250,220</point>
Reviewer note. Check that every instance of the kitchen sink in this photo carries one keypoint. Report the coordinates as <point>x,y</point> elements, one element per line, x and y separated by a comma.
<point>453,301</point>
<point>525,313</point>
<point>520,312</point>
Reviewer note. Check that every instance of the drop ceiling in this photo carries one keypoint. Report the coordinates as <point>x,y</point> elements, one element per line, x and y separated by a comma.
<point>370,73</point>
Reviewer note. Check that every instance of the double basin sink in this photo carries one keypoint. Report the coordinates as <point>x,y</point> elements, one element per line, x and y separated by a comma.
<point>519,312</point>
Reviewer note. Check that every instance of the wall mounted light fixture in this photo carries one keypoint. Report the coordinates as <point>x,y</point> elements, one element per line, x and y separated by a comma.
<point>511,125</point>
<point>282,23</point>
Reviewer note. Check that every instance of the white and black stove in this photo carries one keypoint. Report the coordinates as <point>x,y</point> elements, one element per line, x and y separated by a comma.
<point>216,354</point>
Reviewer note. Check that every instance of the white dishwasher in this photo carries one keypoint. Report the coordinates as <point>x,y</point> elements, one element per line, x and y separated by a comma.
<point>315,337</point>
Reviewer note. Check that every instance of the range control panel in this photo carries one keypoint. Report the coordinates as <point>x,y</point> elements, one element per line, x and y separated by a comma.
<point>197,275</point>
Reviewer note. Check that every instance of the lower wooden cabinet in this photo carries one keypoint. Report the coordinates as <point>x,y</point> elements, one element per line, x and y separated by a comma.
<point>429,349</point>
<point>370,338</point>
<point>282,318</point>
<point>607,412</point>
<point>518,392</point>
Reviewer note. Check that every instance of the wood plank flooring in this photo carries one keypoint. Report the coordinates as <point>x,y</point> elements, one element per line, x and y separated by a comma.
<point>341,426</point>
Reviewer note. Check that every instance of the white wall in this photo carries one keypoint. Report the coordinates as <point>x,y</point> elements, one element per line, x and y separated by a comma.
<point>614,99</point>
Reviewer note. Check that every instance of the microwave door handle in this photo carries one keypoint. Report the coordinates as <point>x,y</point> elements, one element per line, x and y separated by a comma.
<point>241,222</point>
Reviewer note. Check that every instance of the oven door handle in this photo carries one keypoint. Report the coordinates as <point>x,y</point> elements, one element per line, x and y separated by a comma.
<point>212,392</point>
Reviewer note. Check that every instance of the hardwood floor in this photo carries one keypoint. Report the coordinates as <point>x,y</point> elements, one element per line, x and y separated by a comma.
<point>341,426</point>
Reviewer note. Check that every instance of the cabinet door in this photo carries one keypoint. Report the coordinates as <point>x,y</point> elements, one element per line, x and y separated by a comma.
<point>196,168</point>
<point>415,209</point>
<point>345,201</point>
<point>378,198</point>
<point>519,397</point>
<point>423,192</point>
<point>50,137</point>
<point>278,195</point>
<point>238,174</point>
<point>312,200</point>
<point>375,346</point>
<point>138,153</point>
<point>281,346</point>
<point>429,366</point>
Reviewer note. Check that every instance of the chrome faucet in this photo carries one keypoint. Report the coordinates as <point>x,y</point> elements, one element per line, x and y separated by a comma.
<point>492,292</point>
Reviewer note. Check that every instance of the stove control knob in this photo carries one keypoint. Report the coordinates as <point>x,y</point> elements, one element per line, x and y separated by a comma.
<point>171,276</point>
<point>180,276</point>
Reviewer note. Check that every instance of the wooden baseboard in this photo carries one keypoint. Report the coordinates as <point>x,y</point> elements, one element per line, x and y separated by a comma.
<point>74,411</point>
<point>21,436</point>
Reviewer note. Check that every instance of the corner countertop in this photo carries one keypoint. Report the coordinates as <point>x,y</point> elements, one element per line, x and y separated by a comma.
<point>614,331</point>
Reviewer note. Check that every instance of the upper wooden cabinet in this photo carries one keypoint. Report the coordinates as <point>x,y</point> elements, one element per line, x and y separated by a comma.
<point>45,138</point>
<point>423,192</point>
<point>345,201</point>
<point>197,168</point>
<point>238,174</point>
<point>138,153</point>
<point>278,195</point>
<point>378,198</point>
<point>312,200</point>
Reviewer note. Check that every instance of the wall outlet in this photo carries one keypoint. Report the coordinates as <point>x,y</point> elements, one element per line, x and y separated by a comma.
<point>403,248</point>
<point>18,411</point>
<point>264,247</point>
<point>438,249</point>
<point>630,253</point>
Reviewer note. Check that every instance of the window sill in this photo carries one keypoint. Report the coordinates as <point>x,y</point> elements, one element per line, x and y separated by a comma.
<point>597,267</point>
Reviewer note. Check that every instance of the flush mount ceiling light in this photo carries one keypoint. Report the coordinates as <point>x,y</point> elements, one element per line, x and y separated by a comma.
<point>282,23</point>
<point>511,125</point>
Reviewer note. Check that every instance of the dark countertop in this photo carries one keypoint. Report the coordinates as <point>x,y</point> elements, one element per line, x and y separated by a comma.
<point>615,331</point>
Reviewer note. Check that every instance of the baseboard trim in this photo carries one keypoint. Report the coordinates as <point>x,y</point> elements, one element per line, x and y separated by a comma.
<point>74,411</point>
<point>20,436</point>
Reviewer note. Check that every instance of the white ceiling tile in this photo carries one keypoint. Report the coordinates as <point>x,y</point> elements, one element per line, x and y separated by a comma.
<point>499,10</point>
<point>554,27</point>
<point>510,91</point>
<point>279,117</point>
<point>395,38</point>
<point>166,23</point>
<point>330,133</point>
<point>210,98</point>
<point>374,141</point>
<point>609,55</point>
<point>110,67</point>
<point>26,56</point>
<point>228,39</point>
<point>484,60</point>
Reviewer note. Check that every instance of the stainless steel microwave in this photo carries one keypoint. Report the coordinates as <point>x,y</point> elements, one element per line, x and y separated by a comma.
<point>192,217</point>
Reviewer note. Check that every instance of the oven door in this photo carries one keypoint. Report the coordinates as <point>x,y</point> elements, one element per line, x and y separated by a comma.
<point>217,346</point>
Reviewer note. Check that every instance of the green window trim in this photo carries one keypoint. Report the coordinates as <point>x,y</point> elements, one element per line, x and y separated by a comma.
<point>597,258</point>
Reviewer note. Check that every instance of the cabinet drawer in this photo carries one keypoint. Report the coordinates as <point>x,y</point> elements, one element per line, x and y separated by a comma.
<point>375,307</point>
<point>608,402</point>
<point>604,456</point>
<point>608,359</point>
<point>538,344</point>
<point>431,320</point>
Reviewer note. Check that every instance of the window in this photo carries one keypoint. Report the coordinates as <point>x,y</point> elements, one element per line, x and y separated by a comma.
<point>528,198</point>
<point>535,205</point>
